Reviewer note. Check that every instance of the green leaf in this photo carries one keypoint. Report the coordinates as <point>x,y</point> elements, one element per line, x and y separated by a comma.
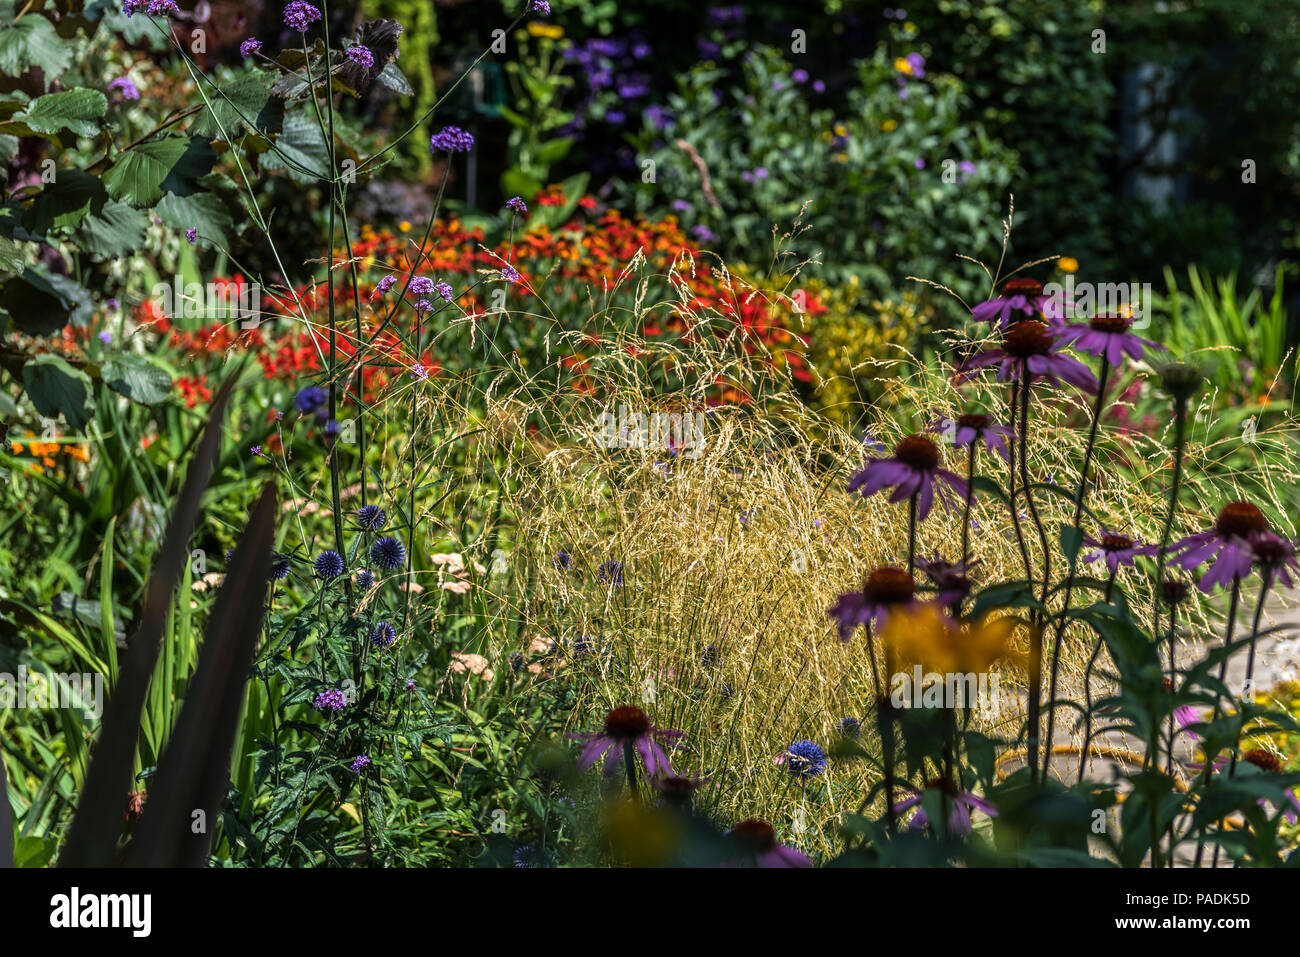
<point>247,100</point>
<point>137,378</point>
<point>554,150</point>
<point>32,42</point>
<point>36,305</point>
<point>1071,542</point>
<point>139,176</point>
<point>204,211</point>
<point>56,388</point>
<point>77,110</point>
<point>72,196</point>
<point>116,230</point>
<point>393,78</point>
<point>303,143</point>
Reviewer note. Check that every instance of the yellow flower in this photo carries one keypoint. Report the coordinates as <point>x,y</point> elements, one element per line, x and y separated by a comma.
<point>889,125</point>
<point>902,65</point>
<point>909,27</point>
<point>926,636</point>
<point>552,30</point>
<point>841,157</point>
<point>1068,264</point>
<point>404,226</point>
<point>840,129</point>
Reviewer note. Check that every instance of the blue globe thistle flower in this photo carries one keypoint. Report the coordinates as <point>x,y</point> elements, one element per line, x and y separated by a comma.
<point>805,759</point>
<point>388,553</point>
<point>329,564</point>
<point>710,656</point>
<point>582,646</point>
<point>279,566</point>
<point>726,692</point>
<point>451,139</point>
<point>332,429</point>
<point>360,763</point>
<point>516,659</point>
<point>525,856</point>
<point>310,399</point>
<point>383,635</point>
<point>365,580</point>
<point>563,560</point>
<point>610,573</point>
<point>371,517</point>
<point>849,727</point>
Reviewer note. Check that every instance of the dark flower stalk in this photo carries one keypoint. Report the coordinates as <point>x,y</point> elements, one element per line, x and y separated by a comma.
<point>1087,688</point>
<point>1079,496</point>
<point>1233,601</point>
<point>1036,634</point>
<point>970,495</point>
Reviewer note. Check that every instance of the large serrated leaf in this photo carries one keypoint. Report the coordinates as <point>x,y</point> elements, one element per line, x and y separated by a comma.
<point>141,175</point>
<point>56,388</point>
<point>33,42</point>
<point>137,378</point>
<point>79,110</point>
<point>73,195</point>
<point>115,230</point>
<point>246,101</point>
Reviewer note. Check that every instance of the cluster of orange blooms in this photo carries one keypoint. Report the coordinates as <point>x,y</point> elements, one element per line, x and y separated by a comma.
<point>46,453</point>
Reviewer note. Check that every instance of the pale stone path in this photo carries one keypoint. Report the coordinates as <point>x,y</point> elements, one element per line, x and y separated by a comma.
<point>1277,660</point>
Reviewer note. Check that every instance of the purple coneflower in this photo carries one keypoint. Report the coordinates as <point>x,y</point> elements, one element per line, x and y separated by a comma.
<point>974,427</point>
<point>885,589</point>
<point>1030,345</point>
<point>963,802</point>
<point>626,725</point>
<point>1018,295</point>
<point>951,579</point>
<point>1107,336</point>
<point>912,471</point>
<point>1227,544</point>
<point>1276,556</point>
<point>677,788</point>
<point>757,846</point>
<point>1116,549</point>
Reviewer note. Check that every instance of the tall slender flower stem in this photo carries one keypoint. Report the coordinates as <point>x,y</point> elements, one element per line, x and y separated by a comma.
<point>1011,487</point>
<point>629,762</point>
<point>1034,709</point>
<point>1079,496</point>
<point>1180,442</point>
<point>1233,600</point>
<point>911,534</point>
<point>1087,688</point>
<point>970,497</point>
